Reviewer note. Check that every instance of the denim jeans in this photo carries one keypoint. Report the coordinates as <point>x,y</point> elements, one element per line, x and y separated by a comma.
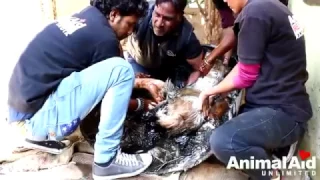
<point>109,82</point>
<point>253,132</point>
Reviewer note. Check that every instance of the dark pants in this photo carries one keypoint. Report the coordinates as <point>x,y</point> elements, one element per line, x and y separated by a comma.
<point>254,131</point>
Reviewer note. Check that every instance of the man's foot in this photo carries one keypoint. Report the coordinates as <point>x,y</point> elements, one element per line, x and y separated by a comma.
<point>49,146</point>
<point>122,166</point>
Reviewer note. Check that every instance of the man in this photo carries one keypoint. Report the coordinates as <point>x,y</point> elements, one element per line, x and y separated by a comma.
<point>272,70</point>
<point>163,41</point>
<point>228,41</point>
<point>66,70</point>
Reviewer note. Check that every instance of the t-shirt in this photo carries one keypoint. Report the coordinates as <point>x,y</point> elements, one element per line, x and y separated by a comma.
<point>226,14</point>
<point>273,38</point>
<point>67,45</point>
<point>156,52</point>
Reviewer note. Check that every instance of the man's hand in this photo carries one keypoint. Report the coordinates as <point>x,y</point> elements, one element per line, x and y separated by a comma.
<point>193,77</point>
<point>227,57</point>
<point>205,99</point>
<point>154,86</point>
<point>148,105</point>
<point>205,67</point>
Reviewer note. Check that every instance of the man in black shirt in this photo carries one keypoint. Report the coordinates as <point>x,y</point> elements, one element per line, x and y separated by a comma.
<point>69,67</point>
<point>164,43</point>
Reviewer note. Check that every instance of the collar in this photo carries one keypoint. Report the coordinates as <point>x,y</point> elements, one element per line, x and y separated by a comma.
<point>93,11</point>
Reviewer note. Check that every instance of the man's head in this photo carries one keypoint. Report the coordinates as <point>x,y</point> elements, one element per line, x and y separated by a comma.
<point>167,15</point>
<point>236,5</point>
<point>122,15</point>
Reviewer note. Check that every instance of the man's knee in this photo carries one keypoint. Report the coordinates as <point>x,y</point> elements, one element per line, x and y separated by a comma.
<point>116,62</point>
<point>114,69</point>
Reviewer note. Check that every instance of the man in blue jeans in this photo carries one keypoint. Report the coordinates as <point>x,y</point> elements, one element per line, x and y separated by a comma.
<point>66,70</point>
<point>164,45</point>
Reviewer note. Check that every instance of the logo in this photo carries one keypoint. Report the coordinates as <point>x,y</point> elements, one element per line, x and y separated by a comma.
<point>296,27</point>
<point>285,166</point>
<point>70,25</point>
<point>304,154</point>
<point>170,53</point>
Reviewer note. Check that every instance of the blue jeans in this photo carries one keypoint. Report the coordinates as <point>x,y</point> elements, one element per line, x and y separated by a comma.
<point>109,82</point>
<point>254,131</point>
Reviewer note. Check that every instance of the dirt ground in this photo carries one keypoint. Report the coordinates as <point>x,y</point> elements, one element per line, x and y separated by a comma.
<point>75,164</point>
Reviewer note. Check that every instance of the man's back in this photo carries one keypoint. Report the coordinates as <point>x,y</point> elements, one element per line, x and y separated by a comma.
<point>65,46</point>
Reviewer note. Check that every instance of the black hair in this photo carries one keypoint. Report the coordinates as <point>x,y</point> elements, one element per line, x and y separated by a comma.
<point>179,5</point>
<point>125,7</point>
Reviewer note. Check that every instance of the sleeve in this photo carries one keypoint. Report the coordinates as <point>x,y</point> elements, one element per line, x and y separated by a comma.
<point>226,14</point>
<point>247,75</point>
<point>193,48</point>
<point>252,39</point>
<point>106,49</point>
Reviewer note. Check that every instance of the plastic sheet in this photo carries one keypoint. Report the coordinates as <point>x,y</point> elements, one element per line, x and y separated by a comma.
<point>171,153</point>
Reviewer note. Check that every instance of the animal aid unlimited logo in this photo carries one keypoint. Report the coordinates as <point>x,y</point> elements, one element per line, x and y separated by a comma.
<point>284,166</point>
<point>296,27</point>
<point>69,25</point>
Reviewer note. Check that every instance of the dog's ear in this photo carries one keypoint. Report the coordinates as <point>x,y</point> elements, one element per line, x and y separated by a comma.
<point>219,108</point>
<point>168,86</point>
<point>206,107</point>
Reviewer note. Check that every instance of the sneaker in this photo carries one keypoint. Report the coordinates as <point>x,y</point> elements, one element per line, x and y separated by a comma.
<point>49,146</point>
<point>122,166</point>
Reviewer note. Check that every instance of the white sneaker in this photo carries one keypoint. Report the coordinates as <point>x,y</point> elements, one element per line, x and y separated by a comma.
<point>122,166</point>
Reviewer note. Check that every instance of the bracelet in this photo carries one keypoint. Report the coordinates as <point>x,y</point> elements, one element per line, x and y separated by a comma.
<point>140,104</point>
<point>206,62</point>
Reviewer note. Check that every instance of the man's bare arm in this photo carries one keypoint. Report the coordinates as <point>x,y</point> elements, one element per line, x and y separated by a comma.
<point>196,62</point>
<point>227,43</point>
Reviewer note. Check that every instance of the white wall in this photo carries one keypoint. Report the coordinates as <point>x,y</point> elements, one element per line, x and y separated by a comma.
<point>308,16</point>
<point>20,20</point>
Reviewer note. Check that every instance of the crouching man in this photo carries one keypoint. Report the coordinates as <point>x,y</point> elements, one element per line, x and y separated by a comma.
<point>164,42</point>
<point>66,70</point>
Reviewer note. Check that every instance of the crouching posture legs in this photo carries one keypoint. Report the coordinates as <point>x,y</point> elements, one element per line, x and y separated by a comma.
<point>109,82</point>
<point>252,133</point>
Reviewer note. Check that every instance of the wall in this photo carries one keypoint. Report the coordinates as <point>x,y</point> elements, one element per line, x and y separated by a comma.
<point>307,12</point>
<point>20,21</point>
<point>67,7</point>
<point>19,24</point>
